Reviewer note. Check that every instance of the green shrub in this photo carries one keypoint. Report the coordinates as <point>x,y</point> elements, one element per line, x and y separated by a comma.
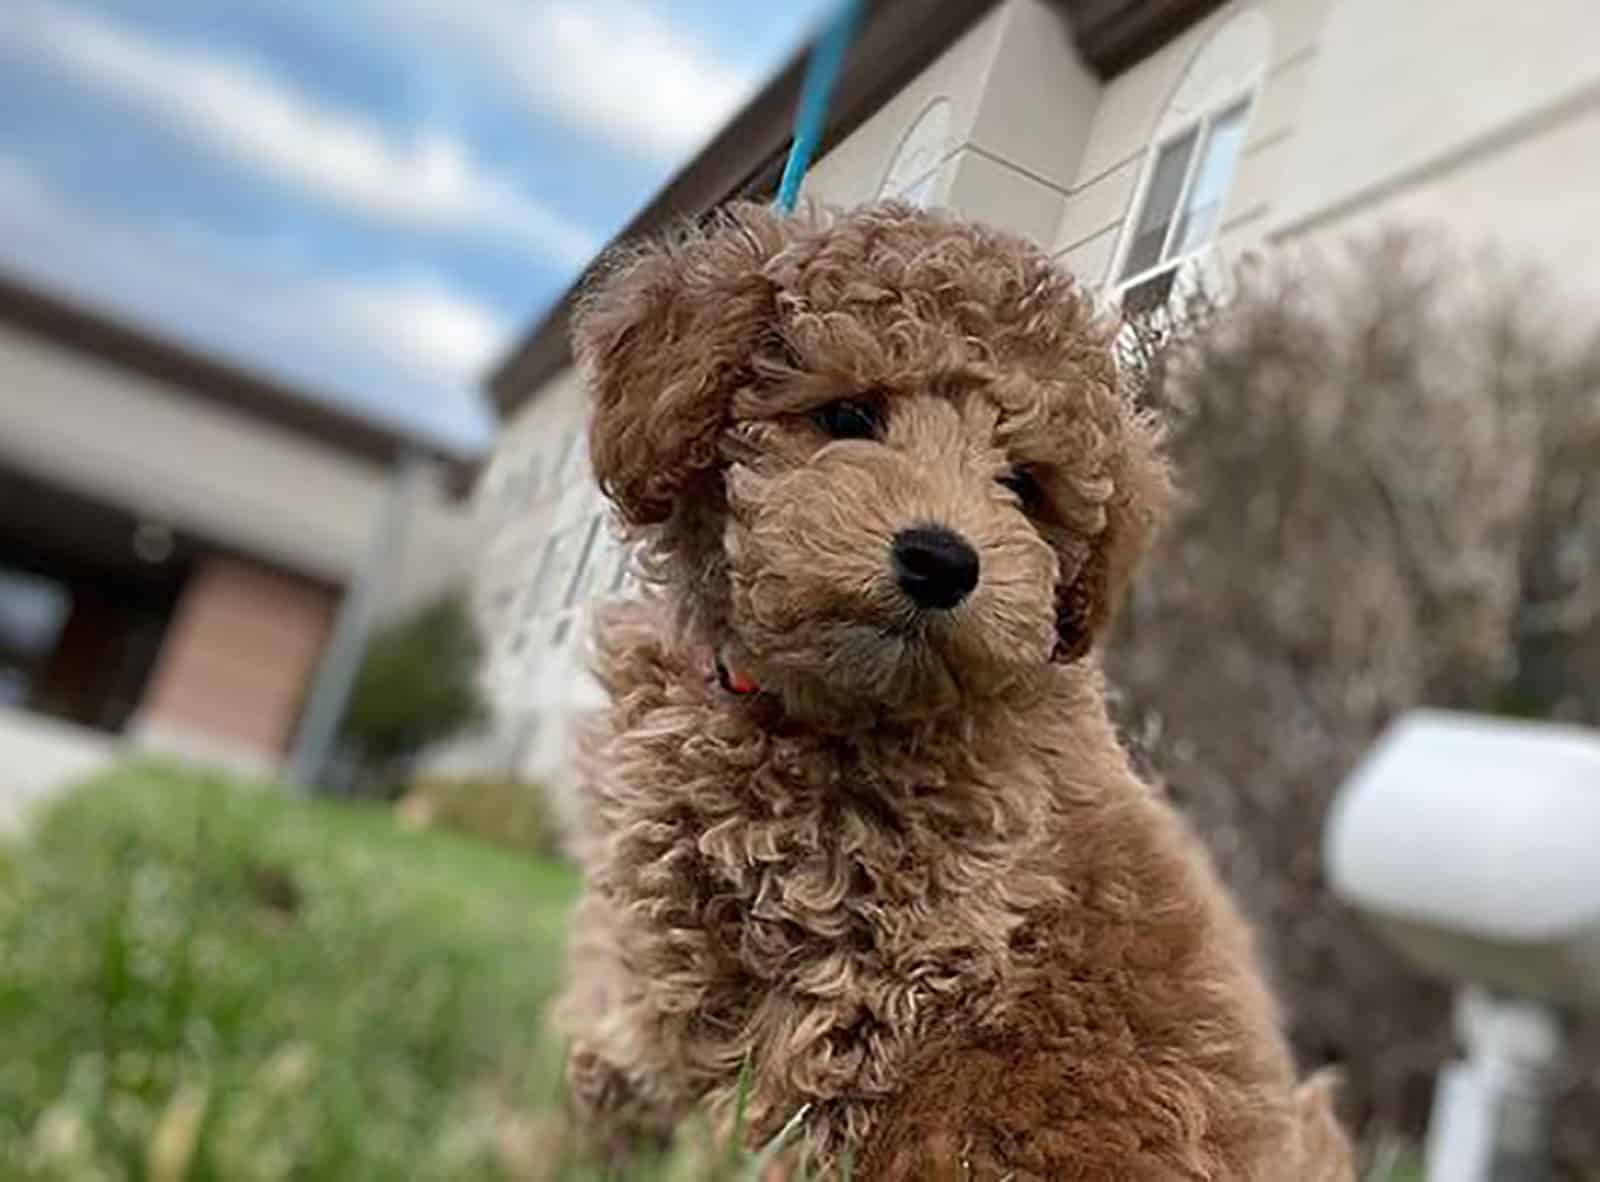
<point>1391,500</point>
<point>416,686</point>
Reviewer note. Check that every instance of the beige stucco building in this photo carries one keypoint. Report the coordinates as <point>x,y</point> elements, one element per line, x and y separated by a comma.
<point>176,539</point>
<point>1143,142</point>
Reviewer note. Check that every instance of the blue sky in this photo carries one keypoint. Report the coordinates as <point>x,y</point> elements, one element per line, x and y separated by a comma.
<point>370,199</point>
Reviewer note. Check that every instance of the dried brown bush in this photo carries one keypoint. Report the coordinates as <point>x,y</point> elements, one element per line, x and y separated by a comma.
<point>1391,466</point>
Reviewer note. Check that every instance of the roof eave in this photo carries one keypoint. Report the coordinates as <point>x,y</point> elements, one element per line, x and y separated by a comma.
<point>93,333</point>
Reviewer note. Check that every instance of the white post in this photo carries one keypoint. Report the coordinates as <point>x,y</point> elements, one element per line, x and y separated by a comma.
<point>1491,1114</point>
<point>342,659</point>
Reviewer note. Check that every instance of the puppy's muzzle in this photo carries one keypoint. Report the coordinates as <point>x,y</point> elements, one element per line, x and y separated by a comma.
<point>936,567</point>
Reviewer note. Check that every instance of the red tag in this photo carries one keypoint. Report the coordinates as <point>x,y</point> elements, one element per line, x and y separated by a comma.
<point>735,683</point>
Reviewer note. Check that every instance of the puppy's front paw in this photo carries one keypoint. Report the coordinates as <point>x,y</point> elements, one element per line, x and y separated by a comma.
<point>939,1157</point>
<point>595,1085</point>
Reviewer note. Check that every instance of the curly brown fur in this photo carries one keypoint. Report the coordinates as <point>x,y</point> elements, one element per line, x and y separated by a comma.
<point>913,881</point>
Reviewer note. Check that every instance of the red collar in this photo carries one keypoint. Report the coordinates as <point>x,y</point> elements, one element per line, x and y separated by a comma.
<point>733,681</point>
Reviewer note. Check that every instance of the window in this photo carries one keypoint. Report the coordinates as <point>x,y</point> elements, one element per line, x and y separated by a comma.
<point>1196,147</point>
<point>33,611</point>
<point>1188,185</point>
<point>1211,179</point>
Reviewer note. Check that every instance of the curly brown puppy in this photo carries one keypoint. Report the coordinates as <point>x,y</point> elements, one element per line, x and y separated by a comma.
<point>856,813</point>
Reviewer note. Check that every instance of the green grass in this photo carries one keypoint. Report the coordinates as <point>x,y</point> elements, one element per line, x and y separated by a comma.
<point>207,980</point>
<point>1406,1168</point>
<point>290,989</point>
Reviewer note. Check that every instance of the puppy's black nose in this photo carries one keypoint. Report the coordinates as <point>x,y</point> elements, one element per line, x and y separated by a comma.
<point>935,567</point>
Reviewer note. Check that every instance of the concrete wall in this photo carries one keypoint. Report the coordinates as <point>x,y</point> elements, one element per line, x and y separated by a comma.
<point>115,436</point>
<point>233,670</point>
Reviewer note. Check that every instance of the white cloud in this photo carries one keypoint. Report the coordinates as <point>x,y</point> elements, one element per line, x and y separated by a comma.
<point>402,345</point>
<point>613,68</point>
<point>420,320</point>
<point>234,109</point>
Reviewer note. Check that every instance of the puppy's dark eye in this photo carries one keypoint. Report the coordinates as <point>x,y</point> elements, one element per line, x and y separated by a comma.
<point>849,418</point>
<point>1024,486</point>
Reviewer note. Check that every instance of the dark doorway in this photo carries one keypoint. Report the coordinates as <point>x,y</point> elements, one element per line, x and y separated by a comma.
<point>86,593</point>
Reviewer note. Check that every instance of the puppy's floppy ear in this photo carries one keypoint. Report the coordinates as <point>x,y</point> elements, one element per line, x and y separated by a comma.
<point>663,336</point>
<point>1142,487</point>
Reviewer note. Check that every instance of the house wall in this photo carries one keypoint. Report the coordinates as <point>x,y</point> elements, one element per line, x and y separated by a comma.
<point>234,667</point>
<point>1477,116</point>
<point>1403,86</point>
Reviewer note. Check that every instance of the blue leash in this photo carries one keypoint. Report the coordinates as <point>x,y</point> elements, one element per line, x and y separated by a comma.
<point>821,74</point>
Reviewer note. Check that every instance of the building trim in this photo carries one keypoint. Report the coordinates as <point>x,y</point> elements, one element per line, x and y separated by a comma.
<point>1109,170</point>
<point>1271,140</point>
<point>1116,34</point>
<point>1012,166</point>
<point>1251,213</point>
<point>1109,228</point>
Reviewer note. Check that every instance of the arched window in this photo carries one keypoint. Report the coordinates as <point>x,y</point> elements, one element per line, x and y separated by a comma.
<point>1194,154</point>
<point>914,175</point>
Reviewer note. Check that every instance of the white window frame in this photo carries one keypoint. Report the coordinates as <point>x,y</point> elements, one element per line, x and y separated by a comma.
<point>1200,126</point>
